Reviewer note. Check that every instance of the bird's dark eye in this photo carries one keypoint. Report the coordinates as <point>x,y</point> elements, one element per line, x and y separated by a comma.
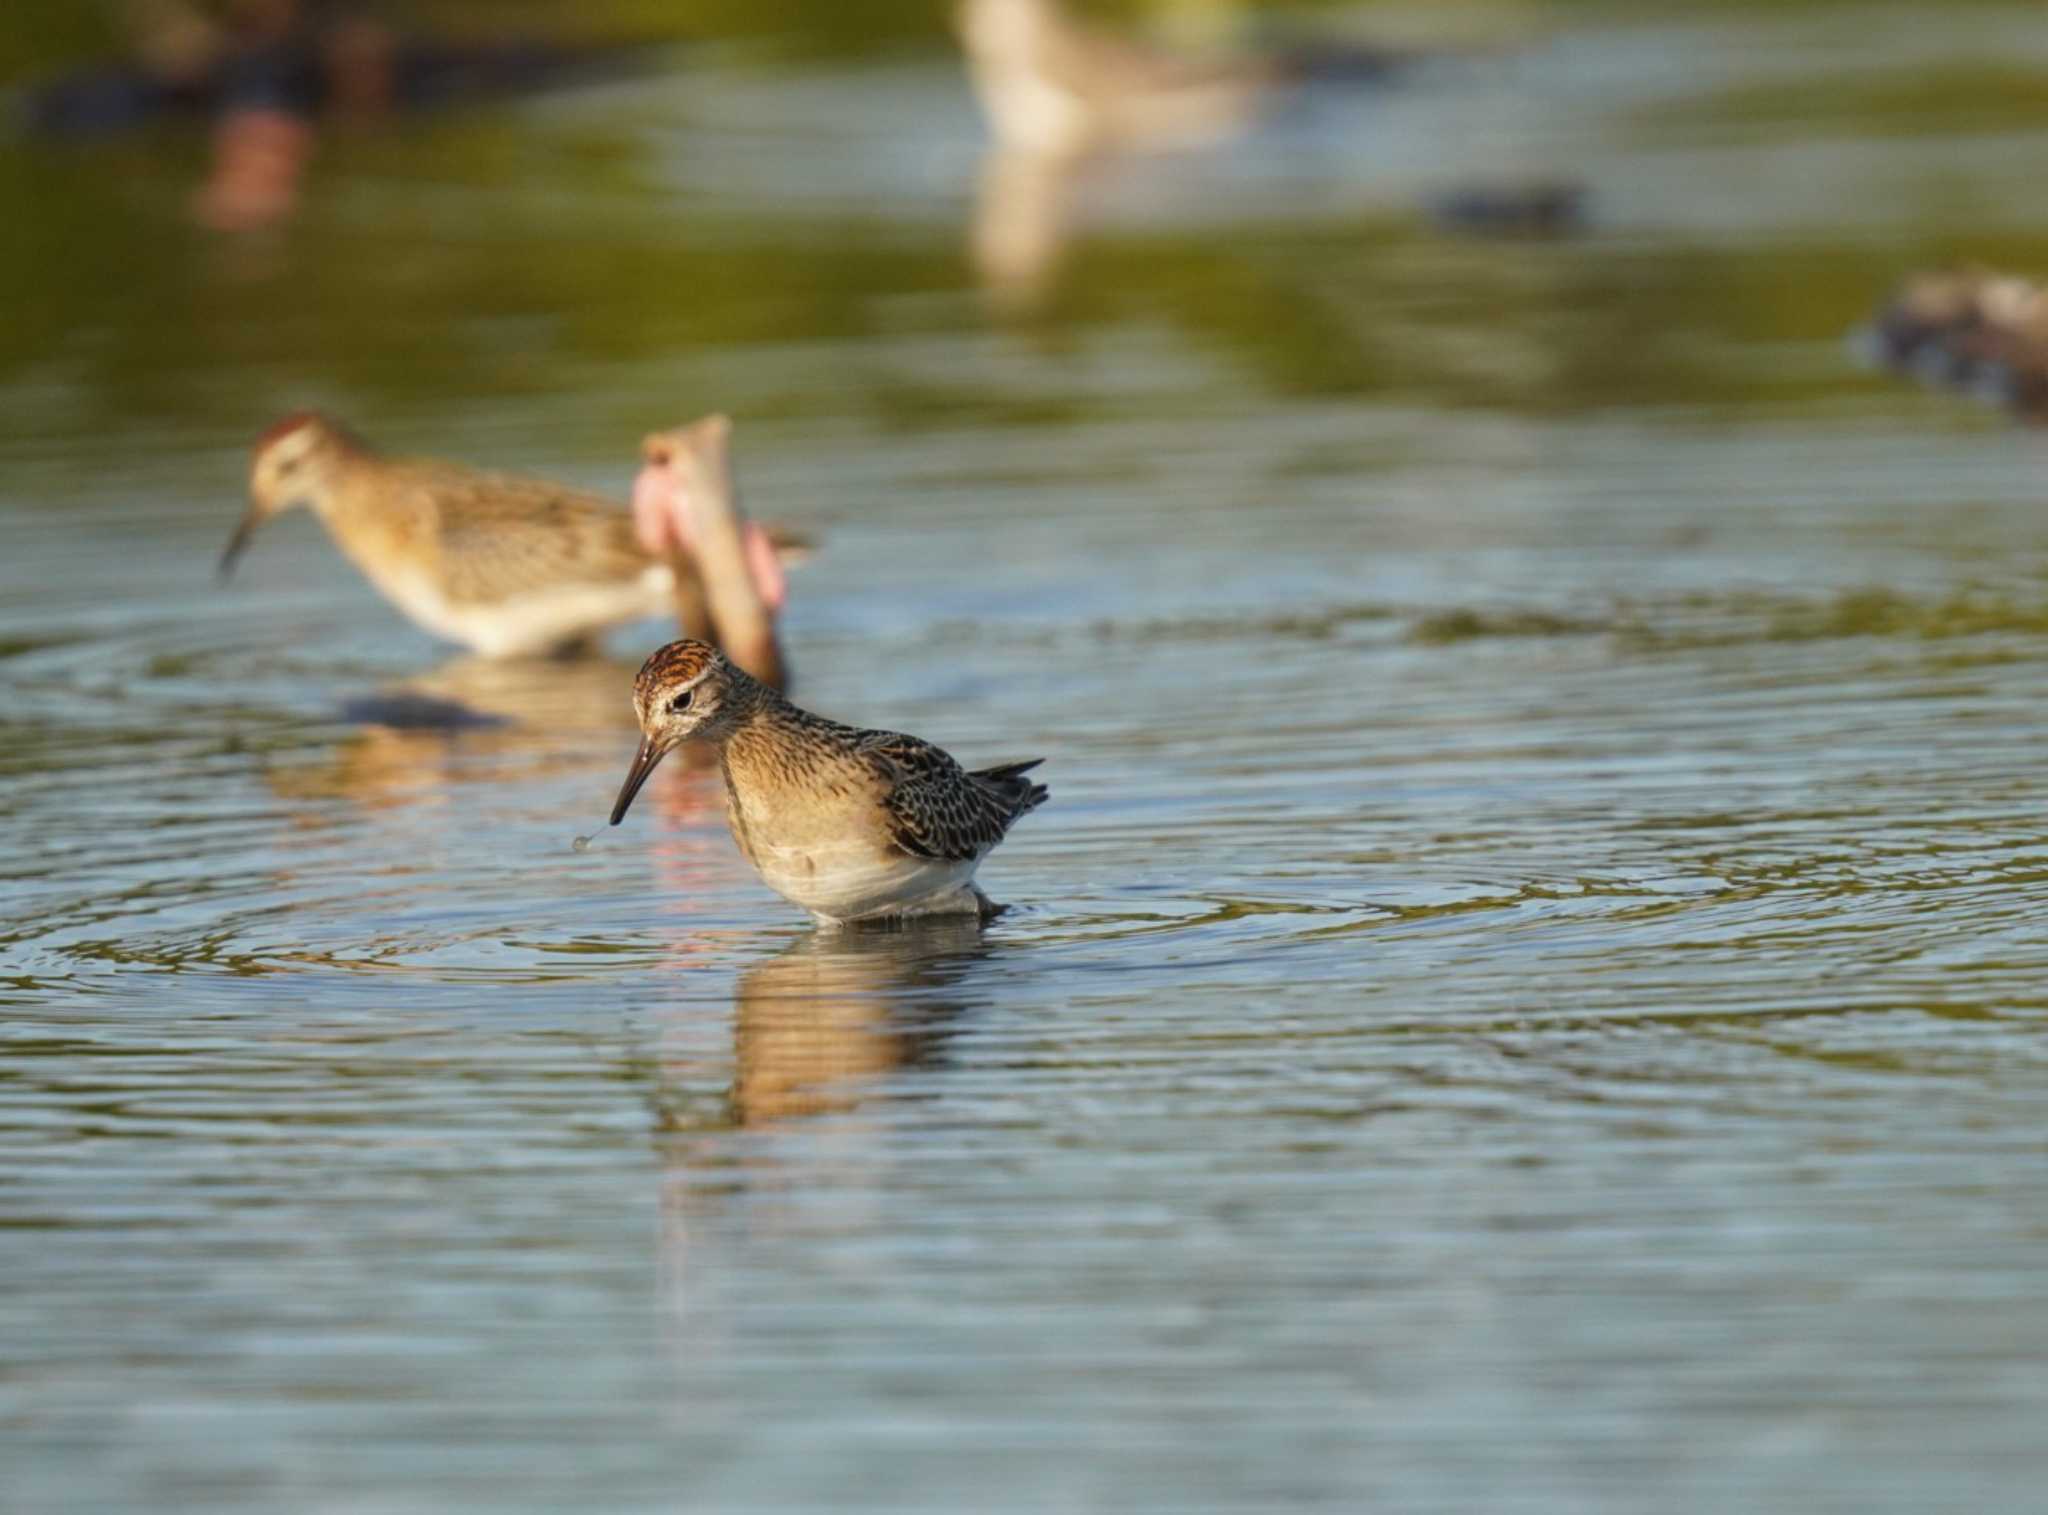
<point>682,701</point>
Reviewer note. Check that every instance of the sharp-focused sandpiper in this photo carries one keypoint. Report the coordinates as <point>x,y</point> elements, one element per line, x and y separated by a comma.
<point>508,566</point>
<point>851,825</point>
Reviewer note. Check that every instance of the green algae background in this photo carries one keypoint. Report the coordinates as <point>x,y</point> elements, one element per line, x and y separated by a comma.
<point>602,261</point>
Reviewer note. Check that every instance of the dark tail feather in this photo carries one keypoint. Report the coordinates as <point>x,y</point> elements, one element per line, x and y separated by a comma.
<point>1008,780</point>
<point>1004,771</point>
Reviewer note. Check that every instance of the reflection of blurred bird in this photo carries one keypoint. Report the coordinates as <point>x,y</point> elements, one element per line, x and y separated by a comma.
<point>851,825</point>
<point>832,1013</point>
<point>506,565</point>
<point>555,701</point>
<point>1051,84</point>
<point>1021,212</point>
<point>470,720</point>
<point>1972,329</point>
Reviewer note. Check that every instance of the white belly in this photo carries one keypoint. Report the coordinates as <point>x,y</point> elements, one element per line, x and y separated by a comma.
<point>855,881</point>
<point>1033,113</point>
<point>532,623</point>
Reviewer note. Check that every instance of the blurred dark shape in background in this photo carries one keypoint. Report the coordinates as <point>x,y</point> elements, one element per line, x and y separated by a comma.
<point>1542,209</point>
<point>308,57</point>
<point>266,71</point>
<point>1970,329</point>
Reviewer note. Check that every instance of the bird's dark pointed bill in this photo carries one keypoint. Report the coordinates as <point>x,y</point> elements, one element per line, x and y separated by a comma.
<point>644,762</point>
<point>237,545</point>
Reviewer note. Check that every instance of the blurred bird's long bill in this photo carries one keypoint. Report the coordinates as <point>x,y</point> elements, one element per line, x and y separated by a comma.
<point>644,763</point>
<point>238,544</point>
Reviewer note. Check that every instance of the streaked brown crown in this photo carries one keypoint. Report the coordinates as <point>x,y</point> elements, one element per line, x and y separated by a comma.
<point>678,663</point>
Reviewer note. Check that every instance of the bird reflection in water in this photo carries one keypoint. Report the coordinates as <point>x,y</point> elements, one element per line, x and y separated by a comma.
<point>818,1025</point>
<point>472,719</point>
<point>1023,218</point>
<point>817,1031</point>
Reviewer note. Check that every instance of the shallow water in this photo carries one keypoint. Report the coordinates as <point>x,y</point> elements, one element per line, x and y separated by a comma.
<point>1528,993</point>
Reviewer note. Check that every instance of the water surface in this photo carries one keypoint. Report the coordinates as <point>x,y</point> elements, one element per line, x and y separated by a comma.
<point>1527,995</point>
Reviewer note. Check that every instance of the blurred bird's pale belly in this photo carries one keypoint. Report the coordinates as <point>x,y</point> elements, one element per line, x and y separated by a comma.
<point>1035,114</point>
<point>533,623</point>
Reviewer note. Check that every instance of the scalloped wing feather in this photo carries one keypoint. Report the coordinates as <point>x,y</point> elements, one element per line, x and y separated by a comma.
<point>937,809</point>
